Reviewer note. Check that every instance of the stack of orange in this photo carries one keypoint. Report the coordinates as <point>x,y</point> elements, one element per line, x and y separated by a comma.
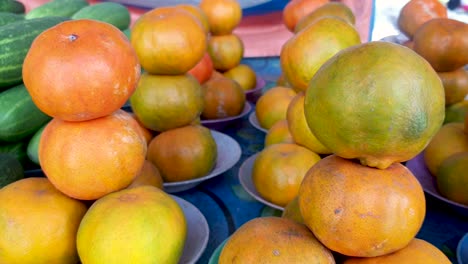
<point>89,152</point>
<point>168,100</point>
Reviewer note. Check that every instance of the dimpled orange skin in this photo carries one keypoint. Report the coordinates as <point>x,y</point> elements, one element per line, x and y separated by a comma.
<point>87,160</point>
<point>91,70</point>
<point>361,211</point>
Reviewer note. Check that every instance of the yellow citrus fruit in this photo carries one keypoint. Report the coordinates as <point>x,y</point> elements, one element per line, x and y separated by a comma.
<point>292,211</point>
<point>455,85</point>
<point>137,225</point>
<point>226,51</point>
<point>223,97</point>
<point>304,53</point>
<point>335,9</point>
<point>273,105</point>
<point>450,139</point>
<point>278,133</point>
<point>198,13</point>
<point>38,223</point>
<point>223,15</point>
<point>357,210</point>
<point>278,171</point>
<point>163,102</point>
<point>183,153</point>
<point>418,251</point>
<point>148,175</point>
<point>274,240</point>
<point>299,128</point>
<point>365,104</point>
<point>244,75</point>
<point>168,40</point>
<point>452,178</point>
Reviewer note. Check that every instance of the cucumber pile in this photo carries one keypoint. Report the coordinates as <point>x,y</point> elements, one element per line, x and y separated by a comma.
<point>21,122</point>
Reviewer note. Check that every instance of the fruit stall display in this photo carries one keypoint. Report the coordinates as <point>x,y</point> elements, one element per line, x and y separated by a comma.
<point>107,120</point>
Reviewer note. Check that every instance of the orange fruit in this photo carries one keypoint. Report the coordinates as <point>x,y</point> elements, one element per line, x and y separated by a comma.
<point>38,223</point>
<point>196,11</point>
<point>456,112</point>
<point>418,251</point>
<point>416,12</point>
<point>449,139</point>
<point>89,159</point>
<point>168,40</point>
<point>203,70</point>
<point>304,53</point>
<point>226,51</point>
<point>452,178</point>
<point>224,97</point>
<point>273,240</point>
<point>91,70</point>
<point>455,85</point>
<point>223,15</point>
<point>448,55</point>
<point>244,75</point>
<point>278,171</point>
<point>137,225</point>
<point>183,153</point>
<point>335,9</point>
<point>147,134</point>
<point>358,210</point>
<point>273,105</point>
<point>295,10</point>
<point>278,133</point>
<point>386,115</point>
<point>148,175</point>
<point>163,102</point>
<point>298,127</point>
<point>292,211</point>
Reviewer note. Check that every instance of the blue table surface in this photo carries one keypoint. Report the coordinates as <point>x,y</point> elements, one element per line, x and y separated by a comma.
<point>226,205</point>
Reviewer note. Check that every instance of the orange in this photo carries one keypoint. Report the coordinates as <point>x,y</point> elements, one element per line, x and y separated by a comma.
<point>364,103</point>
<point>455,85</point>
<point>361,211</point>
<point>299,129</point>
<point>183,153</point>
<point>163,102</point>
<point>244,75</point>
<point>416,12</point>
<point>274,240</point>
<point>449,139</point>
<point>148,175</point>
<point>444,56</point>
<point>335,9</point>
<point>38,223</point>
<point>168,40</point>
<point>137,225</point>
<point>147,134</point>
<point>89,159</point>
<point>304,53</point>
<point>226,51</point>
<point>198,13</point>
<point>292,211</point>
<point>418,251</point>
<point>273,105</point>
<point>278,133</point>
<point>203,70</point>
<point>224,97</point>
<point>456,112</point>
<point>452,178</point>
<point>278,171</point>
<point>295,10</point>
<point>223,15</point>
<point>91,70</point>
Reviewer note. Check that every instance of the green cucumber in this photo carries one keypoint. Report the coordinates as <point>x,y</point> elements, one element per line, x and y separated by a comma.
<point>33,145</point>
<point>15,41</point>
<point>17,149</point>
<point>62,8</point>
<point>7,18</point>
<point>19,116</point>
<point>113,13</point>
<point>12,6</point>
<point>11,169</point>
